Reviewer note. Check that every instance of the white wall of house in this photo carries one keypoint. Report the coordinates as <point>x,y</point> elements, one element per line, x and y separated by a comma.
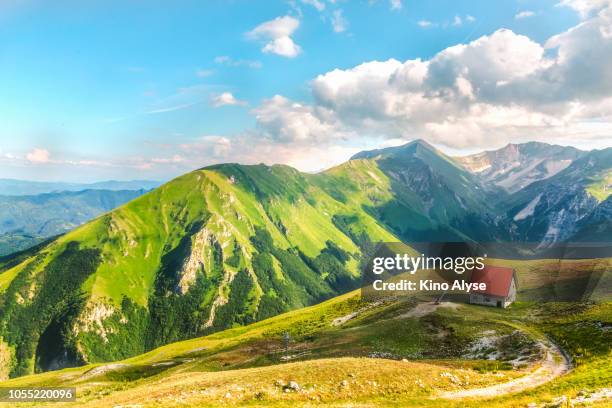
<point>512,293</point>
<point>487,300</point>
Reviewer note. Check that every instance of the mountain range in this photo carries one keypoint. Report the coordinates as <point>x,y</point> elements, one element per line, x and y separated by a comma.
<point>15,187</point>
<point>230,244</point>
<point>515,166</point>
<point>26,220</point>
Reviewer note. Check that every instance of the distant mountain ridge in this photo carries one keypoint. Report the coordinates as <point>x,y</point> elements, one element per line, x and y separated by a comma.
<point>515,166</point>
<point>14,187</point>
<point>28,219</point>
<point>434,197</point>
<point>557,208</point>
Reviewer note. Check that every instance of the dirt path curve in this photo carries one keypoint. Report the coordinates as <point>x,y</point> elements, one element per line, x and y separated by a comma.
<point>555,363</point>
<point>425,308</point>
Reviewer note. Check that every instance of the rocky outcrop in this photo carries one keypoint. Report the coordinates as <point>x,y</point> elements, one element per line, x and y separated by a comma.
<point>92,320</point>
<point>516,166</point>
<point>6,360</point>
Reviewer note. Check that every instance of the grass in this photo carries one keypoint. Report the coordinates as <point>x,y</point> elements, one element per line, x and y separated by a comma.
<point>243,365</point>
<point>600,186</point>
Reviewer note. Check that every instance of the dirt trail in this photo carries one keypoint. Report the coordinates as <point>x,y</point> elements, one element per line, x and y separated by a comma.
<point>423,309</point>
<point>555,363</point>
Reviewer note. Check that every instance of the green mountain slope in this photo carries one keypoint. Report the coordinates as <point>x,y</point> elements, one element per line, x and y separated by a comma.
<point>217,247</point>
<point>433,198</point>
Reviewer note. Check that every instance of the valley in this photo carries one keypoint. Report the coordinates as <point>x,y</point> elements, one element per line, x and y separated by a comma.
<point>27,220</point>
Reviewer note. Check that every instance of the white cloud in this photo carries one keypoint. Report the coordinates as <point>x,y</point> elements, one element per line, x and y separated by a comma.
<point>230,62</point>
<point>499,88</point>
<point>524,14</point>
<point>168,160</point>
<point>240,148</point>
<point>319,5</point>
<point>457,21</point>
<point>339,23</point>
<point>171,108</point>
<point>285,121</point>
<point>585,8</point>
<point>38,156</point>
<point>277,34</point>
<point>225,98</point>
<point>395,4</point>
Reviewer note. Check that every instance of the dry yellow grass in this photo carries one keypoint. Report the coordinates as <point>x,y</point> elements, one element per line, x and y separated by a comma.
<point>327,381</point>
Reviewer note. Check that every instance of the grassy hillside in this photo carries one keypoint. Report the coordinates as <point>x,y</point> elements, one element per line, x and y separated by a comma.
<point>348,350</point>
<point>218,247</point>
<point>420,193</point>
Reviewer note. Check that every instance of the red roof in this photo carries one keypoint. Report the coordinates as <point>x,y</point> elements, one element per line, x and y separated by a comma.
<point>497,278</point>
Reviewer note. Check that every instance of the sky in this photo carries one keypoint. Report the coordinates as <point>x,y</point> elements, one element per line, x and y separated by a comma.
<point>134,89</point>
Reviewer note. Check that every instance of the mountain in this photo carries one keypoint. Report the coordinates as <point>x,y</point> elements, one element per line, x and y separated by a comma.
<point>15,242</point>
<point>27,220</point>
<point>13,187</point>
<point>433,198</point>
<point>230,244</point>
<point>574,201</point>
<point>218,247</point>
<point>596,226</point>
<point>515,166</point>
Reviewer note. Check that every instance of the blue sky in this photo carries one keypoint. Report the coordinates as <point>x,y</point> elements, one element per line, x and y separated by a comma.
<point>149,89</point>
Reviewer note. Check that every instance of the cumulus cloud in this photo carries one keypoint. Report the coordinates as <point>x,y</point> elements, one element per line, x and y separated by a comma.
<point>38,156</point>
<point>277,35</point>
<point>285,121</point>
<point>225,98</point>
<point>240,148</point>
<point>424,23</point>
<point>524,14</point>
<point>586,8</point>
<point>501,87</point>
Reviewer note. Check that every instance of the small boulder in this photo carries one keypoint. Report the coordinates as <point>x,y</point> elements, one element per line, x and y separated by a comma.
<point>292,386</point>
